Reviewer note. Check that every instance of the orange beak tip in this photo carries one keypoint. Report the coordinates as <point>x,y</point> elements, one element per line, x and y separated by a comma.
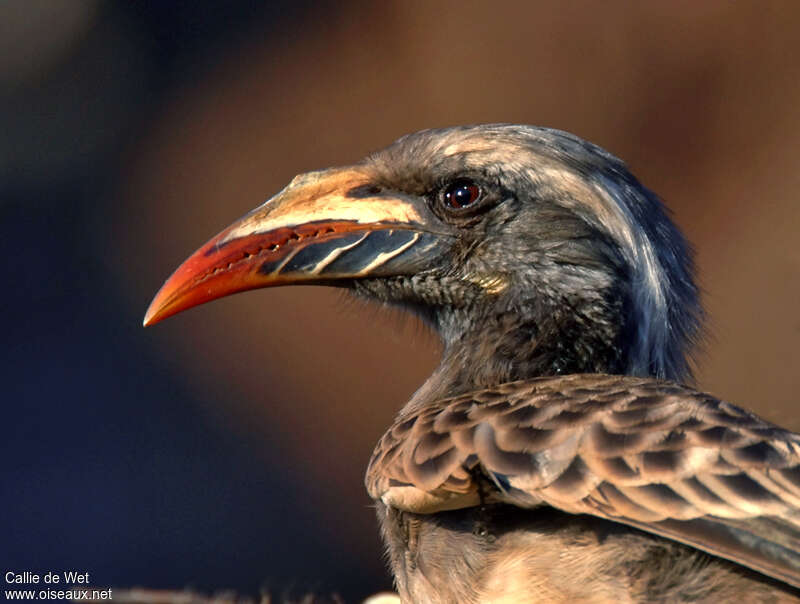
<point>153,314</point>
<point>149,317</point>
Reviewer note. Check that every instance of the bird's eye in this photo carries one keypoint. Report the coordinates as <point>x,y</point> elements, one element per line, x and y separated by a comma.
<point>461,193</point>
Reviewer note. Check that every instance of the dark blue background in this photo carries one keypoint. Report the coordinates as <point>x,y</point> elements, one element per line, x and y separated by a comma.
<point>98,473</point>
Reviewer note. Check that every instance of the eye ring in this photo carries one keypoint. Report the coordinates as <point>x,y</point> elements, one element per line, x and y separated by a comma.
<point>461,193</point>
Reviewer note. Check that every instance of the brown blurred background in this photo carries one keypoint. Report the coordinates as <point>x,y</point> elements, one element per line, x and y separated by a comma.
<point>225,448</point>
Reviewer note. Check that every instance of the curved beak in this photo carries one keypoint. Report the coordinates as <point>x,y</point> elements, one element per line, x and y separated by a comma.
<point>325,226</point>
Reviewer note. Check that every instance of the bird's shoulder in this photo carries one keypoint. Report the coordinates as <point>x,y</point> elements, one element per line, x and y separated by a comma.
<point>631,431</point>
<point>644,452</point>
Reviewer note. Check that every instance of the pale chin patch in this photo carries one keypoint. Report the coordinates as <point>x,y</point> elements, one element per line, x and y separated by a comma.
<point>492,284</point>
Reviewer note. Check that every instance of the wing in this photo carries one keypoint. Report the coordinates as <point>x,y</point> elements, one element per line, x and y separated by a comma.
<point>647,453</point>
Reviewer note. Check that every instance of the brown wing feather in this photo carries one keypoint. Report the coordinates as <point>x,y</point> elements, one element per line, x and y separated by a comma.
<point>651,454</point>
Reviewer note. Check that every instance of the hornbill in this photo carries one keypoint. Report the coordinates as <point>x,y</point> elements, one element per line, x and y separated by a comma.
<point>554,454</point>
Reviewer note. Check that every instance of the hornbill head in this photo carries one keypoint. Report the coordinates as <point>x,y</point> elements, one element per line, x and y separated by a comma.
<point>530,250</point>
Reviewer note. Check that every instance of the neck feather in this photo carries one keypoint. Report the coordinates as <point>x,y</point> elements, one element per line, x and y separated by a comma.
<point>515,345</point>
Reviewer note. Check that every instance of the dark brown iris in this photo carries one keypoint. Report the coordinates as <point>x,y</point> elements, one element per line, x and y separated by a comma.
<point>461,193</point>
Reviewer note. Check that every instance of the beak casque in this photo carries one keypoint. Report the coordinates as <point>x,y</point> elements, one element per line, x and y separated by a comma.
<point>325,226</point>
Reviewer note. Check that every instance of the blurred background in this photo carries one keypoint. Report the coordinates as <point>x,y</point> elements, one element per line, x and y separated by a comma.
<point>225,448</point>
